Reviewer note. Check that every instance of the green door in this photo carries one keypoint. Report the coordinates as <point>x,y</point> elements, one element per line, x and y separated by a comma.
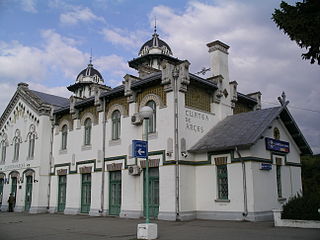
<point>14,187</point>
<point>115,193</point>
<point>86,193</point>
<point>153,192</point>
<point>28,193</point>
<point>62,193</point>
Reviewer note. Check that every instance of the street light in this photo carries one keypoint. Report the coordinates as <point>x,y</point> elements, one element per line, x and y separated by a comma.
<point>146,112</point>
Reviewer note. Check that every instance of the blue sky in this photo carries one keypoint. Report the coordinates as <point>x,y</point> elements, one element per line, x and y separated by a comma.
<point>47,43</point>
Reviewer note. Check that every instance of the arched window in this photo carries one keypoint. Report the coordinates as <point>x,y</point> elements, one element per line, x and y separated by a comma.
<point>32,139</point>
<point>16,149</point>
<point>3,151</point>
<point>116,124</point>
<point>87,131</point>
<point>152,119</point>
<point>64,137</point>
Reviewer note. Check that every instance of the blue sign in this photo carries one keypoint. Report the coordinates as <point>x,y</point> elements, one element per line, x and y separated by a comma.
<point>277,145</point>
<point>139,148</point>
<point>265,166</point>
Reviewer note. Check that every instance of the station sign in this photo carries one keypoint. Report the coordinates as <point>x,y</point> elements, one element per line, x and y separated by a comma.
<point>265,166</point>
<point>139,149</point>
<point>277,145</point>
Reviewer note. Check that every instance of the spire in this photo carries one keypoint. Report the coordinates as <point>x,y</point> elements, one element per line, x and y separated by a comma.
<point>155,36</point>
<point>90,61</point>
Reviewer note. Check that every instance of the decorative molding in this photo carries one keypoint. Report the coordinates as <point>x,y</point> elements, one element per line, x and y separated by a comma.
<point>114,167</point>
<point>151,97</point>
<point>61,172</point>
<point>83,170</point>
<point>115,107</point>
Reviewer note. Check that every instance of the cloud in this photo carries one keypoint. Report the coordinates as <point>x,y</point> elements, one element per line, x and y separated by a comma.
<point>79,14</point>
<point>7,91</point>
<point>29,6</point>
<point>124,38</point>
<point>58,91</point>
<point>24,63</point>
<point>58,55</point>
<point>113,64</point>
<point>261,57</point>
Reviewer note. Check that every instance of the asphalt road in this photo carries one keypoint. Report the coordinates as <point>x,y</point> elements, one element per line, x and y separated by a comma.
<point>66,227</point>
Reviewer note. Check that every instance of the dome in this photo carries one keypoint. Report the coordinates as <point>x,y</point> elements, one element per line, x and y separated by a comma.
<point>155,45</point>
<point>90,74</point>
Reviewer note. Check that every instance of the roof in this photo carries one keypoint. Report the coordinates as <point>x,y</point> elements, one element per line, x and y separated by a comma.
<point>51,99</point>
<point>244,129</point>
<point>155,41</point>
<point>90,71</point>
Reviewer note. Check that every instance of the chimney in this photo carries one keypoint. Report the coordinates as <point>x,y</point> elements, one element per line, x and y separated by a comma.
<point>219,59</point>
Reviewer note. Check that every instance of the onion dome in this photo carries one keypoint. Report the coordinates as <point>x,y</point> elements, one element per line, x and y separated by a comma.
<point>155,45</point>
<point>90,75</point>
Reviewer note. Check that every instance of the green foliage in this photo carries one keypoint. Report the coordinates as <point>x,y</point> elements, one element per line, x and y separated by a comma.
<point>306,207</point>
<point>310,174</point>
<point>302,207</point>
<point>302,24</point>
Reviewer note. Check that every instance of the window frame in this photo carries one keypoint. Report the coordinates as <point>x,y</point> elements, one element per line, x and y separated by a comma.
<point>31,147</point>
<point>116,125</point>
<point>3,151</point>
<point>222,182</point>
<point>153,119</point>
<point>87,131</point>
<point>64,137</point>
<point>16,149</point>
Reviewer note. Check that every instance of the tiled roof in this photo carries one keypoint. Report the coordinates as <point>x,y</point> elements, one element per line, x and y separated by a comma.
<point>51,99</point>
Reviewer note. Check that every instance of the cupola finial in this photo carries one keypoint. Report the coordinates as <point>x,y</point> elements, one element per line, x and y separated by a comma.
<point>90,56</point>
<point>155,24</point>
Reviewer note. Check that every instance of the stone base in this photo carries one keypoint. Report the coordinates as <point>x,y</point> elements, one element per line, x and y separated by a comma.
<point>130,214</point>
<point>53,210</point>
<point>72,211</point>
<point>34,210</point>
<point>168,216</point>
<point>187,216</point>
<point>147,231</point>
<point>95,212</point>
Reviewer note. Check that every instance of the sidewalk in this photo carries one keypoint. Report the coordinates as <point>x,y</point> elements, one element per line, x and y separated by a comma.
<point>15,226</point>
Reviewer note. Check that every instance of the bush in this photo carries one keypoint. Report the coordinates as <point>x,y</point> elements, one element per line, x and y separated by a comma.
<point>302,207</point>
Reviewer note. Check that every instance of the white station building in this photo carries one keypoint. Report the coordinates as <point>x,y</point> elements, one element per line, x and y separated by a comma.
<point>213,152</point>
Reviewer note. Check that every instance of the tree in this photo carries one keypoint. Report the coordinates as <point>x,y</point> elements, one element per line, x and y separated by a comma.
<point>302,24</point>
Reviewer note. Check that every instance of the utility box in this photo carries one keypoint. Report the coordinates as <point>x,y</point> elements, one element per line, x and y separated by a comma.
<point>147,231</point>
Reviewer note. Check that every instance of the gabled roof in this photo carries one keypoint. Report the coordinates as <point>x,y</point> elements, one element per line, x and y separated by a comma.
<point>40,102</point>
<point>244,129</point>
<point>51,99</point>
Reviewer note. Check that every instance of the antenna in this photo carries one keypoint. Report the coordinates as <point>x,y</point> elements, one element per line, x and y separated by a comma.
<point>203,71</point>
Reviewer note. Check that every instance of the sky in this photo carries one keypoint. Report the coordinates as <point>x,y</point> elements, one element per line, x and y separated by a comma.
<point>47,43</point>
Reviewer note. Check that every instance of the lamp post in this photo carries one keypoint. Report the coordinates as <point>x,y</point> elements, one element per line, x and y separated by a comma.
<point>146,112</point>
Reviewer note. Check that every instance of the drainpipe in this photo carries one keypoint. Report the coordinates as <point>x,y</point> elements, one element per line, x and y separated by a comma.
<point>175,74</point>
<point>103,154</point>
<point>244,182</point>
<point>50,157</point>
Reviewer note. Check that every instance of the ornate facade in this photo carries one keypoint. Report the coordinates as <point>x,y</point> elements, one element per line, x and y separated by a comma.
<point>212,150</point>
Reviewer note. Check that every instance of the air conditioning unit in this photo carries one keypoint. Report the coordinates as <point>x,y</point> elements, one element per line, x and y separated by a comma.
<point>134,170</point>
<point>136,119</point>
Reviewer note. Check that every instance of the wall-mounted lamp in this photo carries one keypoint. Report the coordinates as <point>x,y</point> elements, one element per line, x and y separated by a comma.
<point>184,154</point>
<point>20,180</point>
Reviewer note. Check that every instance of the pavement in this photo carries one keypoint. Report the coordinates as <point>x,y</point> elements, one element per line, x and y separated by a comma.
<point>15,226</point>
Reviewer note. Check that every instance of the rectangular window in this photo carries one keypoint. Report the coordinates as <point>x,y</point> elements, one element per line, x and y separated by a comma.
<point>278,172</point>
<point>222,177</point>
